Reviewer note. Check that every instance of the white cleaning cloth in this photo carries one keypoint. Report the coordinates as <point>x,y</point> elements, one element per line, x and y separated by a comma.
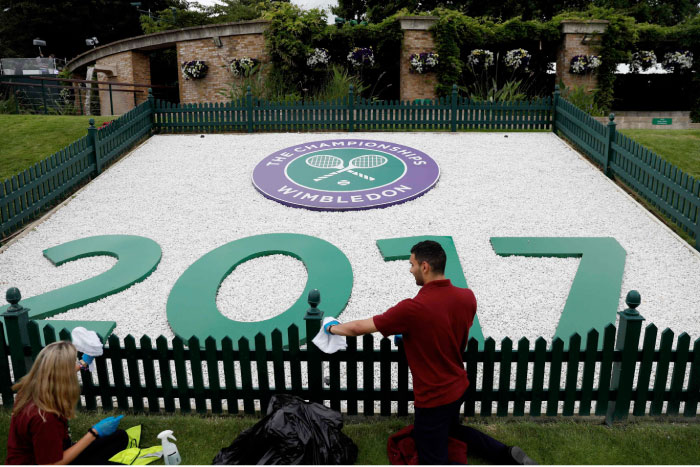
<point>87,342</point>
<point>327,342</point>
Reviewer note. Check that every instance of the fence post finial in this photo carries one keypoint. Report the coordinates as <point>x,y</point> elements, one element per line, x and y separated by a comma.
<point>627,343</point>
<point>313,312</point>
<point>17,321</point>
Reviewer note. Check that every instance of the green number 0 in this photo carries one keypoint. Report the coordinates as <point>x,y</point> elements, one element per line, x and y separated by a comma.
<point>192,307</point>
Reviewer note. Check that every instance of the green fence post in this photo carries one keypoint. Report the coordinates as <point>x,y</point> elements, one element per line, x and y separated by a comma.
<point>111,101</point>
<point>628,333</point>
<point>453,114</point>
<point>43,96</point>
<point>93,140</point>
<point>313,325</point>
<point>152,108</point>
<point>608,145</point>
<point>351,109</point>
<point>555,103</point>
<point>249,105</point>
<point>16,322</point>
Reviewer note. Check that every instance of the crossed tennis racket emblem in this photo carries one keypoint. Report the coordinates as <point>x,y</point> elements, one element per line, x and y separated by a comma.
<point>325,161</point>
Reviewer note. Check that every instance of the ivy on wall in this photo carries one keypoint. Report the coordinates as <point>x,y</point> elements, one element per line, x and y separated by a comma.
<point>294,33</point>
<point>456,35</point>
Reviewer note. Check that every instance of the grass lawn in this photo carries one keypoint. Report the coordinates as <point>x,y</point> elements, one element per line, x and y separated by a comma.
<point>27,139</point>
<point>199,438</point>
<point>679,147</point>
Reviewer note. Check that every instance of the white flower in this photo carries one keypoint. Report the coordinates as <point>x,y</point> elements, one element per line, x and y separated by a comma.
<point>678,61</point>
<point>318,57</point>
<point>480,57</point>
<point>516,58</point>
<point>642,60</point>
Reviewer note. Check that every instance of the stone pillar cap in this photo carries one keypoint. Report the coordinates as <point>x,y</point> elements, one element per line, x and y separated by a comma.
<point>581,26</point>
<point>420,23</point>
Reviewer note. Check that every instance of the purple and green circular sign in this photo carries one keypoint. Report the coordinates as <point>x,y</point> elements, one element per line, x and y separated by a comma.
<point>345,174</point>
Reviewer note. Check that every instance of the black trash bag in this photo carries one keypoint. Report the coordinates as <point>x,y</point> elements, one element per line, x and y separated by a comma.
<point>293,432</point>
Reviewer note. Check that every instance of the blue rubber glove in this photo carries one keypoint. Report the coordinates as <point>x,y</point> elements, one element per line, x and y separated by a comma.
<point>328,325</point>
<point>107,426</point>
<point>87,359</point>
<point>398,338</point>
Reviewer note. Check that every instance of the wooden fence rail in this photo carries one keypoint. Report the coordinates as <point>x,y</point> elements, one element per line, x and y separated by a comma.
<point>226,376</point>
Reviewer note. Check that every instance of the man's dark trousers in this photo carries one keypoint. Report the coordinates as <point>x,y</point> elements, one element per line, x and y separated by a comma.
<point>433,426</point>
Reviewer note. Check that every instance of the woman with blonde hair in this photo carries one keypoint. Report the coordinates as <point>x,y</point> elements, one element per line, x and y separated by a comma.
<point>46,400</point>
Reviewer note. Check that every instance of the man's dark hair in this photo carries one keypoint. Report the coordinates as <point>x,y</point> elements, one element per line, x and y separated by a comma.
<point>432,253</point>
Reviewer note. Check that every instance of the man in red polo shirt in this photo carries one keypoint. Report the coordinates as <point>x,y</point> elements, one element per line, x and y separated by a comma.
<point>435,329</point>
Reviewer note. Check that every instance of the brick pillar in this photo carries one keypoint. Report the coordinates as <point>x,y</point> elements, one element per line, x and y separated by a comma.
<point>124,67</point>
<point>216,53</point>
<point>579,38</point>
<point>416,39</point>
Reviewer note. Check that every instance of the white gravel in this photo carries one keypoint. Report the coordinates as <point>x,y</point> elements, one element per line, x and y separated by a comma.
<point>193,194</point>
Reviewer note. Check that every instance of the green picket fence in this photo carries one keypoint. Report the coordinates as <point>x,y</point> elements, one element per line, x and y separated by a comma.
<point>352,113</point>
<point>665,186</point>
<point>552,380</point>
<point>25,195</point>
<point>29,193</point>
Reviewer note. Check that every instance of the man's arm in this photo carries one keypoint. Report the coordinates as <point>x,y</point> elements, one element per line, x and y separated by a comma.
<point>358,327</point>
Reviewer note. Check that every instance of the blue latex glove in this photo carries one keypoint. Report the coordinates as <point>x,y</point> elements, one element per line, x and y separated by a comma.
<point>107,426</point>
<point>87,359</point>
<point>398,338</point>
<point>328,325</point>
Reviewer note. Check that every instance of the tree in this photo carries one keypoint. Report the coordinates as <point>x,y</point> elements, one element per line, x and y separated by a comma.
<point>65,25</point>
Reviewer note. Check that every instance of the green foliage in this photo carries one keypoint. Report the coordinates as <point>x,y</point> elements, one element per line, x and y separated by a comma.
<point>238,87</point>
<point>583,99</point>
<point>294,33</point>
<point>510,91</point>
<point>289,37</point>
<point>174,18</point>
<point>238,10</point>
<point>337,85</point>
<point>457,34</point>
<point>9,105</point>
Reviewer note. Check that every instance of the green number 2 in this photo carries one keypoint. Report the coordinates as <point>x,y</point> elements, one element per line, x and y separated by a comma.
<point>137,258</point>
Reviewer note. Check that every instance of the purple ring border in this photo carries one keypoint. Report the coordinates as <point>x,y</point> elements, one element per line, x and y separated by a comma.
<point>424,176</point>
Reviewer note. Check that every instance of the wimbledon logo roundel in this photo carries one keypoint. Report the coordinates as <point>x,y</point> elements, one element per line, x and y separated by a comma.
<point>345,174</point>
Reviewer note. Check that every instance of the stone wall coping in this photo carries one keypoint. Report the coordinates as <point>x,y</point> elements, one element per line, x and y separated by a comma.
<point>575,26</point>
<point>160,40</point>
<point>420,23</point>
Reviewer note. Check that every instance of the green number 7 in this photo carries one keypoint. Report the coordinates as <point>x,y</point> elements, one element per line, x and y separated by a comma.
<point>595,292</point>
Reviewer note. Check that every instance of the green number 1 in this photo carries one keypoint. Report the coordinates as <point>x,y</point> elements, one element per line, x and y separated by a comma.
<point>393,249</point>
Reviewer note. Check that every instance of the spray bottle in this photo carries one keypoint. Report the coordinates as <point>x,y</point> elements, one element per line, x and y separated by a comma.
<point>170,454</point>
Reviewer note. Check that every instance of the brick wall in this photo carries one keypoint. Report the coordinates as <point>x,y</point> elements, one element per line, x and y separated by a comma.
<point>218,77</point>
<point>414,85</point>
<point>579,38</point>
<point>416,39</point>
<point>126,67</point>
